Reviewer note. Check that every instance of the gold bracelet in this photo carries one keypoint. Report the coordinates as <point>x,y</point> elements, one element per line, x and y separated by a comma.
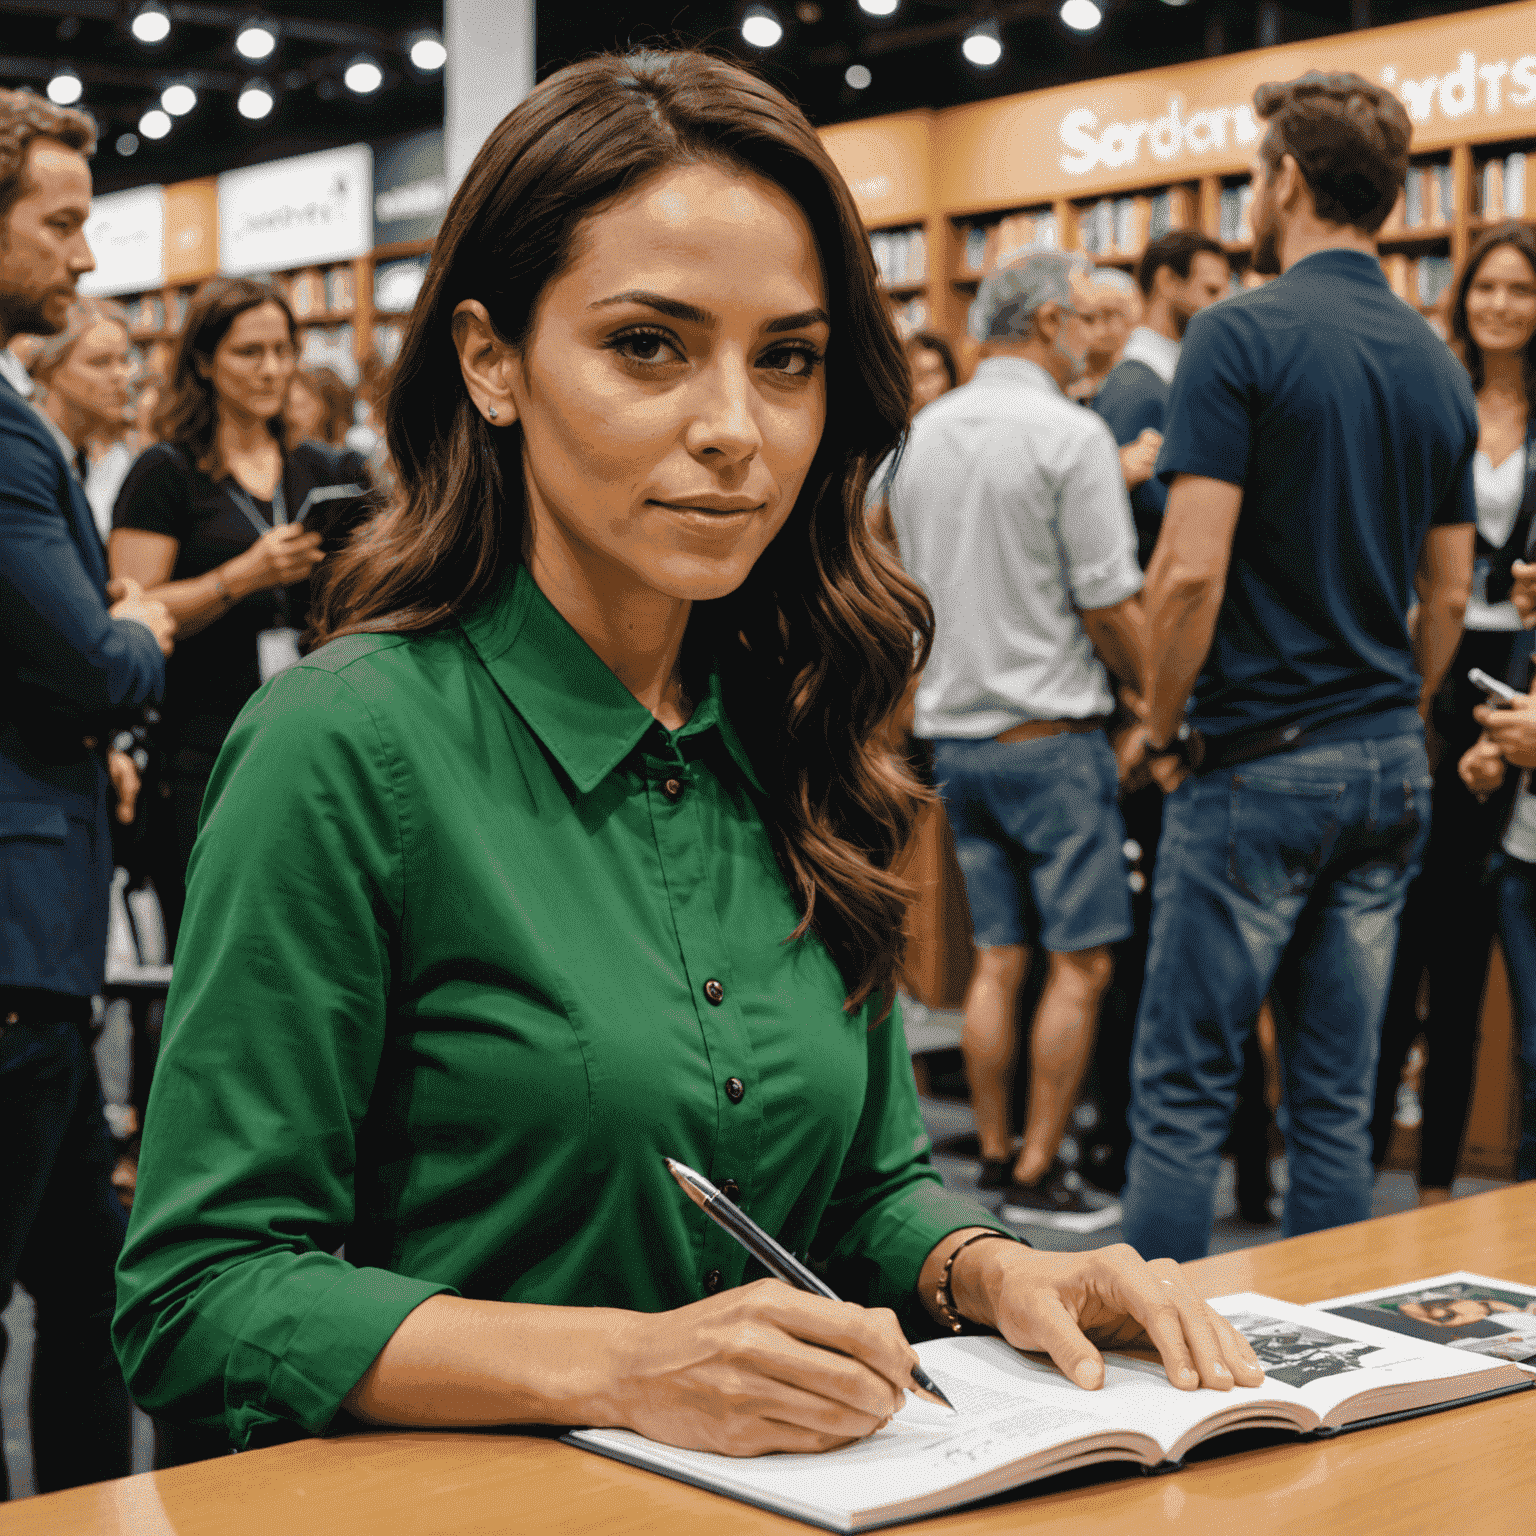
<point>949,1314</point>
<point>222,590</point>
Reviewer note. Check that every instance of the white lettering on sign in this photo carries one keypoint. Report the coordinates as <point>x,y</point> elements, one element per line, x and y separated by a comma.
<point>872,188</point>
<point>1119,144</point>
<point>289,213</point>
<point>1466,88</point>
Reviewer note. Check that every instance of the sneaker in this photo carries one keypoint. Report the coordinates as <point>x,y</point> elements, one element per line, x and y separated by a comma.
<point>1061,1201</point>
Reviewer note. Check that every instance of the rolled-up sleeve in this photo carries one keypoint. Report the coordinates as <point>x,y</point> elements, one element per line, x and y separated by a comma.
<point>889,1209</point>
<point>1098,535</point>
<point>233,1308</point>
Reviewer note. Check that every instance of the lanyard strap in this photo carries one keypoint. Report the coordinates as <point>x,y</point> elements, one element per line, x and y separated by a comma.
<point>242,499</point>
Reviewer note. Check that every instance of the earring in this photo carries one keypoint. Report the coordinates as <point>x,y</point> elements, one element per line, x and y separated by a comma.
<point>492,413</point>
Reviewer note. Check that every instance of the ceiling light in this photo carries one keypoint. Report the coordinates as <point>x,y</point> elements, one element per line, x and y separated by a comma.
<point>983,45</point>
<point>427,52</point>
<point>255,40</point>
<point>858,77</point>
<point>65,89</point>
<point>878,8</point>
<point>127,144</point>
<point>255,100</point>
<point>150,25</point>
<point>363,76</point>
<point>178,99</point>
<point>760,27</point>
<point>1082,15</point>
<point>155,124</point>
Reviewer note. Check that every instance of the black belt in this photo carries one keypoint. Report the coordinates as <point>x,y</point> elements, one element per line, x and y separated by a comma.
<point>22,1007</point>
<point>1207,754</point>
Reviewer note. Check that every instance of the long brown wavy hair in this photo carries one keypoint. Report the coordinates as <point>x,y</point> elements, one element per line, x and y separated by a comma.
<point>1513,233</point>
<point>188,414</point>
<point>816,647</point>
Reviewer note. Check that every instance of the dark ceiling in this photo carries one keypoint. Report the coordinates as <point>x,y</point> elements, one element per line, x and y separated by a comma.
<point>913,57</point>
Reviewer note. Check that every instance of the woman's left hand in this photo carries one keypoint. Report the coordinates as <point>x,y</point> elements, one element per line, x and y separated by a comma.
<point>1068,1304</point>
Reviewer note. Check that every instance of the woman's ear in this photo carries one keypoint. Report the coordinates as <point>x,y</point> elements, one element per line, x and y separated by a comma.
<point>486,361</point>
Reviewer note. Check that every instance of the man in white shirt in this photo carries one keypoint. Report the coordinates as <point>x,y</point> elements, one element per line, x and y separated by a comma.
<point>1009,508</point>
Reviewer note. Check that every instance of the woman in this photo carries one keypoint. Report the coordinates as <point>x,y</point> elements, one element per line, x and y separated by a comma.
<point>932,362</point>
<point>570,851</point>
<point>1448,919</point>
<point>84,373</point>
<point>218,521</point>
<point>319,408</point>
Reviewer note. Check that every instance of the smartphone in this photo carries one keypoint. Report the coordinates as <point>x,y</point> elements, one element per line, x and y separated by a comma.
<point>1500,693</point>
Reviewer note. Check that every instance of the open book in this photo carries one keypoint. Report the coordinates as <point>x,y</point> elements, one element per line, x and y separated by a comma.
<point>1020,1419</point>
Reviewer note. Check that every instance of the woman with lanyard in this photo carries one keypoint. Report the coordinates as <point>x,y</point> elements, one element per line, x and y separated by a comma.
<point>215,521</point>
<point>1447,925</point>
<point>570,851</point>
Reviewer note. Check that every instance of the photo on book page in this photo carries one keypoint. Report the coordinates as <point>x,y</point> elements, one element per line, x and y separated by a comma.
<point>1295,1353</point>
<point>1465,1311</point>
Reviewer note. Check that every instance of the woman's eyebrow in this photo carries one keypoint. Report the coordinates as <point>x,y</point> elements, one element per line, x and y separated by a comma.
<point>691,314</point>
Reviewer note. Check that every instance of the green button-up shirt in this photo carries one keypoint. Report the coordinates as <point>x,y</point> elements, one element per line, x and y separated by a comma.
<point>472,943</point>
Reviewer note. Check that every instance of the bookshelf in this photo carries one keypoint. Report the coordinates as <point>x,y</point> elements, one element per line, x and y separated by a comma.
<point>350,314</point>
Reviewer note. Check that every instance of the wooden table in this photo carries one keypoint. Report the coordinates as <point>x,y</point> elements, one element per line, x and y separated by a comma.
<point>1470,1471</point>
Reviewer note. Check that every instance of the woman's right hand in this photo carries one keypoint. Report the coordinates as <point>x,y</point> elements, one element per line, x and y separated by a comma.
<point>288,554</point>
<point>762,1368</point>
<point>1482,768</point>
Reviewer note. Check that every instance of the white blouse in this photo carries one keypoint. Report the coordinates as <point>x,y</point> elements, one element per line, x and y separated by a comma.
<point>1499,494</point>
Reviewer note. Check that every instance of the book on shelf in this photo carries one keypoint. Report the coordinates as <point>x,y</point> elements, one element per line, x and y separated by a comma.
<point>1019,1419</point>
<point>1096,228</point>
<point>1501,188</point>
<point>1433,275</point>
<point>1237,213</point>
<point>974,254</point>
<point>1173,209</point>
<point>1413,198</point>
<point>396,284</point>
<point>387,337</point>
<point>340,292</point>
<point>333,346</point>
<point>306,295</point>
<point>901,256</point>
<point>1399,271</point>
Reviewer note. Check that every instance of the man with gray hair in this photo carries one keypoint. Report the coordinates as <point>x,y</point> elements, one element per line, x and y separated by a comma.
<point>1010,510</point>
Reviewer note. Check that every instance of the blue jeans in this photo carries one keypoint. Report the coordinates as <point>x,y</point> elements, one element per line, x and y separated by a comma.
<point>1516,892</point>
<point>1282,878</point>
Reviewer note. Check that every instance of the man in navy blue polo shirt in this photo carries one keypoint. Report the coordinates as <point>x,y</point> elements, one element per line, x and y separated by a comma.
<point>1318,444</point>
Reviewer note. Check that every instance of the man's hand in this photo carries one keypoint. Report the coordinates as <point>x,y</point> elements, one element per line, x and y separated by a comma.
<point>1070,1304</point>
<point>124,774</point>
<point>1523,593</point>
<point>1511,728</point>
<point>129,602</point>
<point>1482,767</point>
<point>1130,749</point>
<point>1168,771</point>
<point>1139,459</point>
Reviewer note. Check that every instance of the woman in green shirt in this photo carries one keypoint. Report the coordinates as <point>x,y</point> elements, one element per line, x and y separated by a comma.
<point>571,850</point>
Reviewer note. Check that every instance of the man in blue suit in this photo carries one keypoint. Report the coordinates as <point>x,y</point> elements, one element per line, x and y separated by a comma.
<point>69,664</point>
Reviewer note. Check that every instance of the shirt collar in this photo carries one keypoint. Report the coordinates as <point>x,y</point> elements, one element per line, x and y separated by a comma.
<point>14,374</point>
<point>584,715</point>
<point>1338,262</point>
<point>1014,370</point>
<point>66,447</point>
<point>1152,348</point>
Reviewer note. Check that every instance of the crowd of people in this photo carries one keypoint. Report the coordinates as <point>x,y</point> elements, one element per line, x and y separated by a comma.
<point>536,819</point>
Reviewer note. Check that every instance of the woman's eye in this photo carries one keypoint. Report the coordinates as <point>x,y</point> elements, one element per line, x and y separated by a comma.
<point>798,362</point>
<point>645,347</point>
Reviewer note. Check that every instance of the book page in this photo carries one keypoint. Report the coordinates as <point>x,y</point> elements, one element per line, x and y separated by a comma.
<point>1472,1313</point>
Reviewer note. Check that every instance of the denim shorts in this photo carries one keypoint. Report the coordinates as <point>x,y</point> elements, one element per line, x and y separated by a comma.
<point>1039,839</point>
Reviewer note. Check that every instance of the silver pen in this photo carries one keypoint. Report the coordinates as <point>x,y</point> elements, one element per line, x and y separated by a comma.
<point>772,1255</point>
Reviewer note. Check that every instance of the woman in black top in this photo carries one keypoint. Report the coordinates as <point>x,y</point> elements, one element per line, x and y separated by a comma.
<point>224,528</point>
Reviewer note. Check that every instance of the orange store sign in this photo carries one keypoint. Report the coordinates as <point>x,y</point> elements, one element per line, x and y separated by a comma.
<point>1467,76</point>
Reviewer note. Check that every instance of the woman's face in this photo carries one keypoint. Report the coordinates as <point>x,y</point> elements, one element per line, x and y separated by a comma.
<point>672,391</point>
<point>930,378</point>
<point>305,411</point>
<point>253,365</point>
<point>94,377</point>
<point>1501,301</point>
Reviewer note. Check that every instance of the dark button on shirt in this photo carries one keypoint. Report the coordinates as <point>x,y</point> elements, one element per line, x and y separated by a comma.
<point>735,1089</point>
<point>673,790</point>
<point>731,1190</point>
<point>712,1281</point>
<point>714,991</point>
